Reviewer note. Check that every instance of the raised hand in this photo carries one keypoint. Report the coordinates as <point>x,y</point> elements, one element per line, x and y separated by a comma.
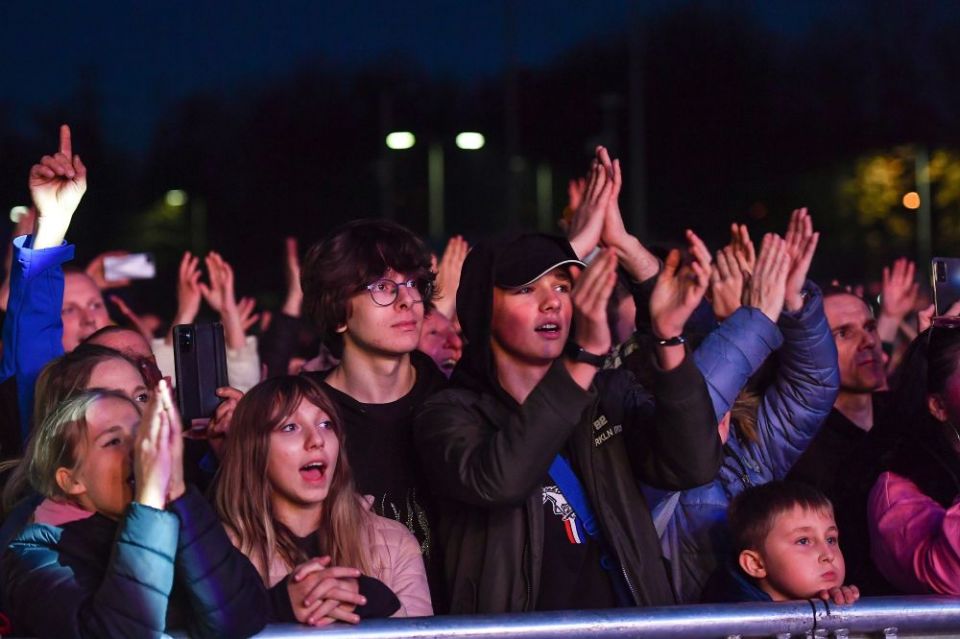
<point>448,275</point>
<point>220,295</point>
<point>176,486</point>
<point>575,190</point>
<point>800,244</point>
<point>188,289</point>
<point>591,292</point>
<point>898,296</point>
<point>96,271</point>
<point>153,463</point>
<point>679,289</point>
<point>767,287</point>
<point>743,248</point>
<point>726,284</point>
<point>614,232</point>
<point>321,594</point>
<point>218,427</point>
<point>632,255</point>
<point>587,221</point>
<point>57,184</point>
<point>293,304</point>
<point>899,290</point>
<point>219,291</point>
<point>246,307</point>
<point>925,316</point>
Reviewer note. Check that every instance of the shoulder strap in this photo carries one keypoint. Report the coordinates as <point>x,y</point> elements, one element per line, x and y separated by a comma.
<point>569,484</point>
<point>572,489</point>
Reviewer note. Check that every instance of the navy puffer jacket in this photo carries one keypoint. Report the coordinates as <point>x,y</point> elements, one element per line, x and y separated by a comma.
<point>152,571</point>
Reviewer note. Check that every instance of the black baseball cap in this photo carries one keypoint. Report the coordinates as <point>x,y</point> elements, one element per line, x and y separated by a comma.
<point>528,257</point>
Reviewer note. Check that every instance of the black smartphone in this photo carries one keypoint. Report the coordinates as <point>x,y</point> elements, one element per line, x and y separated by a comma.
<point>200,363</point>
<point>945,281</point>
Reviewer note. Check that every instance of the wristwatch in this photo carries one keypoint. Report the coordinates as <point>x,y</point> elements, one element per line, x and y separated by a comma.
<point>577,354</point>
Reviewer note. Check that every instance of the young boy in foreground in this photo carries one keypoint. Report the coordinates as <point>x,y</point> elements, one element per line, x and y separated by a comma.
<point>787,546</point>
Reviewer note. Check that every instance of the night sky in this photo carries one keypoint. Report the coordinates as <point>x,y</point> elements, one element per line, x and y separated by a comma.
<point>145,56</point>
<point>747,110</point>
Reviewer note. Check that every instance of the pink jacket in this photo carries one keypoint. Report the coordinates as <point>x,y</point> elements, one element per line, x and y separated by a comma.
<point>914,542</point>
<point>395,560</point>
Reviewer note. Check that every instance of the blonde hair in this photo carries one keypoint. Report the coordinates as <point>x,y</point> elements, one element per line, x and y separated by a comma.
<point>744,415</point>
<point>243,496</point>
<point>54,444</point>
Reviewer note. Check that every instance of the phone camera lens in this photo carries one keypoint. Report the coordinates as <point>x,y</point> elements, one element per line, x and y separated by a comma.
<point>941,272</point>
<point>186,339</point>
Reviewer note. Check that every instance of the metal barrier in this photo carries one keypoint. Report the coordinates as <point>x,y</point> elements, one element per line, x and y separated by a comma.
<point>885,616</point>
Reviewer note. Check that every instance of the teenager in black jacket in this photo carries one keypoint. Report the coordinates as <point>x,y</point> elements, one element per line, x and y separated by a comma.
<point>527,400</point>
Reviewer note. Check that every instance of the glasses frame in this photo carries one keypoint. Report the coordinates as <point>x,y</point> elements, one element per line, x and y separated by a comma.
<point>422,286</point>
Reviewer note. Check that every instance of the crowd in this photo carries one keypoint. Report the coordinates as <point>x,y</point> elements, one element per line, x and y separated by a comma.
<point>535,422</point>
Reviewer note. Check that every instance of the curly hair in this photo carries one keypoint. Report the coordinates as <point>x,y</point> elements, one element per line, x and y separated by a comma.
<point>349,258</point>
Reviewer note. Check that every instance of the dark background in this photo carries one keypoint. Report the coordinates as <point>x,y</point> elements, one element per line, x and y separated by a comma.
<point>272,118</point>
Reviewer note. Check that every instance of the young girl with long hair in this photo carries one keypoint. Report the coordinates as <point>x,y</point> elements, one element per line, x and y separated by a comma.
<point>286,494</point>
<point>120,546</point>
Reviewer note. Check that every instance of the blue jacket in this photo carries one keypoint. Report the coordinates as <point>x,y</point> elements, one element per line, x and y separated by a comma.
<point>32,329</point>
<point>793,406</point>
<point>152,570</point>
<point>729,584</point>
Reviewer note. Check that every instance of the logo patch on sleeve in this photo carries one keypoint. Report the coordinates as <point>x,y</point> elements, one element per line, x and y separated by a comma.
<point>562,509</point>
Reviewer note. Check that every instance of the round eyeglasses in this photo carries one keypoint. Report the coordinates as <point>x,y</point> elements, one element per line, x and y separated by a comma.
<point>385,291</point>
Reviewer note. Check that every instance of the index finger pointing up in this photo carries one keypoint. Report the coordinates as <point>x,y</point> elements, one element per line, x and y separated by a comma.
<point>65,146</point>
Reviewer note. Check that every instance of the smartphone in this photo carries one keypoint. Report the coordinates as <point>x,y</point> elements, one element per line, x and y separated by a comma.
<point>135,266</point>
<point>945,280</point>
<point>200,364</point>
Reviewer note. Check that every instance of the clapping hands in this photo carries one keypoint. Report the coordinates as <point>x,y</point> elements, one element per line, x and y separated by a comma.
<point>448,275</point>
<point>158,452</point>
<point>597,219</point>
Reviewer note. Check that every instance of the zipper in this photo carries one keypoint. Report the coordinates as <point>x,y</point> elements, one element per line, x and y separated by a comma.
<point>528,606</point>
<point>742,472</point>
<point>626,578</point>
<point>587,466</point>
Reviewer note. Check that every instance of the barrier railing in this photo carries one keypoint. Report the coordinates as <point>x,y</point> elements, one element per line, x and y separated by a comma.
<point>885,616</point>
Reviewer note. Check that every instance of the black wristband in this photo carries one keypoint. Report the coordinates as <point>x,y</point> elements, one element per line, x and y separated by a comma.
<point>672,341</point>
<point>576,353</point>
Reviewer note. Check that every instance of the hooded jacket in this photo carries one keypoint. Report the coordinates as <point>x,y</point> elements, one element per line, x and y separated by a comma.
<point>487,455</point>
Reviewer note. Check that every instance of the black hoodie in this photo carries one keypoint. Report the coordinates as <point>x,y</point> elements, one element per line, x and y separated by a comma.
<point>486,456</point>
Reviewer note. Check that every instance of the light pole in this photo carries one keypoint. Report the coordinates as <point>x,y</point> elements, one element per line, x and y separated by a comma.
<point>466,141</point>
<point>924,217</point>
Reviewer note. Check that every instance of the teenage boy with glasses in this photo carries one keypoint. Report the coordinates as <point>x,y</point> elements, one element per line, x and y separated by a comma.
<point>366,286</point>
